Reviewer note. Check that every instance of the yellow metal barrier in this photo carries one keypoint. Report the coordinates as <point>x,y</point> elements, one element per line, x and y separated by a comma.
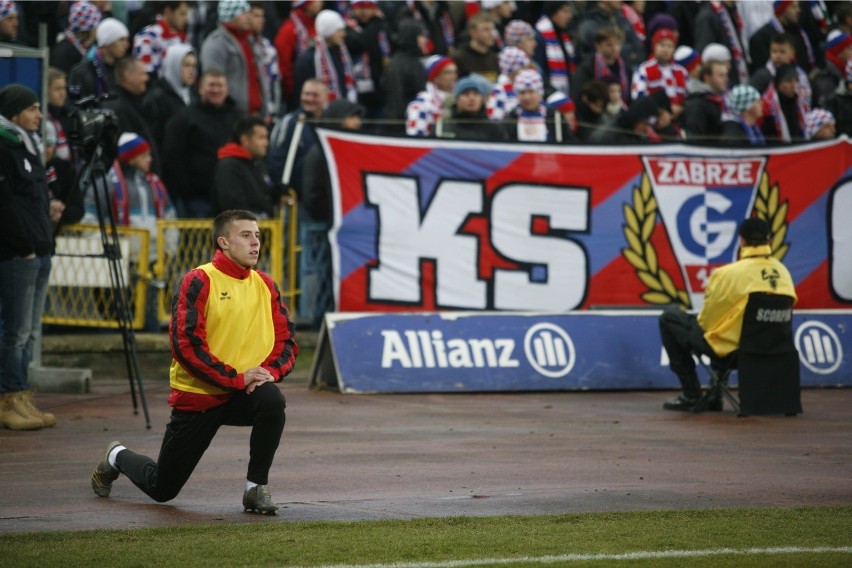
<point>290,220</point>
<point>80,290</point>
<point>194,238</point>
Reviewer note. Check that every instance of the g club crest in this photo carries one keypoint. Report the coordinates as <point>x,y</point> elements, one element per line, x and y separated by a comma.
<point>701,202</point>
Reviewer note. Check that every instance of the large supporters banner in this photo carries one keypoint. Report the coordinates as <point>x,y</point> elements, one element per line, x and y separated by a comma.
<point>423,225</point>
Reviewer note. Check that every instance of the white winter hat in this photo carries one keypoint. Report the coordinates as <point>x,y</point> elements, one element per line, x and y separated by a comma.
<point>327,22</point>
<point>715,52</point>
<point>110,31</point>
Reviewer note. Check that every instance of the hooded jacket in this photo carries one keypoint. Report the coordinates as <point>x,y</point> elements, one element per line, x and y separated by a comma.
<point>240,182</point>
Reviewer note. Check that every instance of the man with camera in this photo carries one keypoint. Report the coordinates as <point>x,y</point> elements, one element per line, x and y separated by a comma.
<point>26,219</point>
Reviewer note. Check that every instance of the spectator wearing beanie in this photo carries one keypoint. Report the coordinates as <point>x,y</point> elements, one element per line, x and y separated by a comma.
<point>531,120</point>
<point>138,195</point>
<point>466,119</point>
<point>231,48</point>
<point>329,60</point>
<point>83,20</point>
<point>661,73</point>
<point>740,128</point>
<point>839,103</point>
<point>520,34</point>
<point>9,21</point>
<point>690,60</point>
<point>169,29</point>
<point>95,75</point>
<point>721,23</point>
<point>564,117</point>
<point>424,111</point>
<point>503,98</point>
<point>820,125</point>
<point>26,228</point>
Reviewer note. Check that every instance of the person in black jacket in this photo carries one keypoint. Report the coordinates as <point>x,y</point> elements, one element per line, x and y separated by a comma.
<point>702,110</point>
<point>369,45</point>
<point>192,139</point>
<point>240,180</point>
<point>466,118</point>
<point>405,76</point>
<point>741,128</point>
<point>83,19</point>
<point>174,91</point>
<point>131,84</point>
<point>25,226</point>
<point>95,75</point>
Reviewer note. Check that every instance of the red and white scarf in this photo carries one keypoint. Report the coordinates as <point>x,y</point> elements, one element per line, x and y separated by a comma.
<point>327,73</point>
<point>603,70</point>
<point>803,89</point>
<point>558,65</point>
<point>734,33</point>
<point>771,100</point>
<point>303,34</point>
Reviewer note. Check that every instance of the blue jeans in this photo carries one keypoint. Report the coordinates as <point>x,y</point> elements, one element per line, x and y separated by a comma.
<point>23,292</point>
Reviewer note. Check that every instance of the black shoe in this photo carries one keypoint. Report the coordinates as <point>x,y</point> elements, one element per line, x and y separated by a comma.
<point>680,403</point>
<point>715,405</point>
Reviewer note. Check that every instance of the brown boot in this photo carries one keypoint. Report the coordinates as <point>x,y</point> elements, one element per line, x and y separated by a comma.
<point>14,417</point>
<point>47,418</point>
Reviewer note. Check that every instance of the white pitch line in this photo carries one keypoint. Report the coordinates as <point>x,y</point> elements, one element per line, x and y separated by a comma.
<point>639,555</point>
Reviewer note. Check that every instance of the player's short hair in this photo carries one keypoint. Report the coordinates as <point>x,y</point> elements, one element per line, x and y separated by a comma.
<point>222,223</point>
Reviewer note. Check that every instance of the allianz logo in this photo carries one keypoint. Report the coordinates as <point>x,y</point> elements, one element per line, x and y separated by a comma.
<point>547,348</point>
<point>819,347</point>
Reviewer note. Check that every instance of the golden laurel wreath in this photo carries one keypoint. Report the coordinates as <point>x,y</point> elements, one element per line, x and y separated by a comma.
<point>641,218</point>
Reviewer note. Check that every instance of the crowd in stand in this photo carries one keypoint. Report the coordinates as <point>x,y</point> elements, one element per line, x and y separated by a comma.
<point>181,74</point>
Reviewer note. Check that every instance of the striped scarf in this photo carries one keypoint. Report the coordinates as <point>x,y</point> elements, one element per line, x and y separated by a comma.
<point>327,73</point>
<point>603,70</point>
<point>803,90</point>
<point>75,41</point>
<point>733,32</point>
<point>303,35</point>
<point>559,63</point>
<point>773,103</point>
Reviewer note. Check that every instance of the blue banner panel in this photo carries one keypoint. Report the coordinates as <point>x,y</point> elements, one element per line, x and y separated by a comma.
<point>491,352</point>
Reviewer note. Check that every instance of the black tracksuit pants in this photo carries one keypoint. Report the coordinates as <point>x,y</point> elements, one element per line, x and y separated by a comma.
<point>682,336</point>
<point>189,434</point>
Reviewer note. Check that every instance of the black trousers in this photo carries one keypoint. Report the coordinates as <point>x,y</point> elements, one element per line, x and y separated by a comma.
<point>682,336</point>
<point>189,434</point>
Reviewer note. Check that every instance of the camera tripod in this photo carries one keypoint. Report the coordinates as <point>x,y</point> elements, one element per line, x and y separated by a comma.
<point>94,176</point>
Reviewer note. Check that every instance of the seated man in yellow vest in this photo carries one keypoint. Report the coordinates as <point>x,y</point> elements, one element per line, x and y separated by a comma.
<point>716,330</point>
